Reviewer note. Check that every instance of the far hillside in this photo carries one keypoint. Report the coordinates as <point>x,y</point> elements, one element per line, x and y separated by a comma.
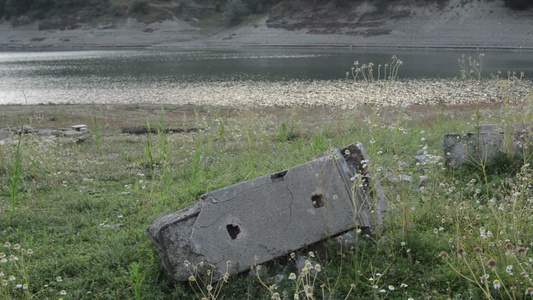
<point>201,13</point>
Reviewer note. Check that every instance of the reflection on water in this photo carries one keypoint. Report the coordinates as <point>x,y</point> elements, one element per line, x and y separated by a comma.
<point>105,76</point>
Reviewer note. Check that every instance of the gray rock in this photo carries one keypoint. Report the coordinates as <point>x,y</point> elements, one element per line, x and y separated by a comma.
<point>258,220</point>
<point>403,164</point>
<point>84,139</point>
<point>5,134</point>
<point>423,180</point>
<point>49,132</point>
<point>26,129</point>
<point>490,142</point>
<point>401,178</point>
<point>112,226</point>
<point>427,159</point>
<point>72,133</point>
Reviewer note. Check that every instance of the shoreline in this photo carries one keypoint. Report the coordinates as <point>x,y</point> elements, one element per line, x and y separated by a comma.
<point>252,94</point>
<point>211,47</point>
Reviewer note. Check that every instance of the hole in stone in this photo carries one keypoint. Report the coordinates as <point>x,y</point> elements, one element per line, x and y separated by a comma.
<point>318,201</point>
<point>278,176</point>
<point>233,231</point>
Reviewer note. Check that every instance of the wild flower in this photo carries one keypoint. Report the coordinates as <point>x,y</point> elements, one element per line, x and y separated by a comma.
<point>318,268</point>
<point>497,284</point>
<point>403,285</point>
<point>509,269</point>
<point>391,287</point>
<point>484,277</point>
<point>308,291</point>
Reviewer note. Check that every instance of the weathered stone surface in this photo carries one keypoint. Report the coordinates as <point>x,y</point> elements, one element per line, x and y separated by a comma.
<point>80,127</point>
<point>401,178</point>
<point>71,133</point>
<point>49,132</point>
<point>490,142</point>
<point>272,215</point>
<point>84,139</point>
<point>5,134</point>
<point>145,130</point>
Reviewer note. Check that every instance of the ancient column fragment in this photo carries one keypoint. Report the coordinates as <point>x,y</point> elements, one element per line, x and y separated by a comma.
<point>272,215</point>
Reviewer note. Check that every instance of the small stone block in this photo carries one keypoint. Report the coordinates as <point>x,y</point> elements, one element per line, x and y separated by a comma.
<point>490,142</point>
<point>80,128</point>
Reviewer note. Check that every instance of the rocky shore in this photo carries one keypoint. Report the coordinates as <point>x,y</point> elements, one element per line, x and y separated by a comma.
<point>293,93</point>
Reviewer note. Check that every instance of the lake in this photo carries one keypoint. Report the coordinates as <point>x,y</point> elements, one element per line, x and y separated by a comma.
<point>111,76</point>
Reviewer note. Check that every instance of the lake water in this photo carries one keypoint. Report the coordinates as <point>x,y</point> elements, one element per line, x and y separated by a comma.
<point>103,76</point>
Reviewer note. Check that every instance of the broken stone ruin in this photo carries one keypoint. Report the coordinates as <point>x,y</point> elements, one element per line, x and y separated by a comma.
<point>490,142</point>
<point>261,219</point>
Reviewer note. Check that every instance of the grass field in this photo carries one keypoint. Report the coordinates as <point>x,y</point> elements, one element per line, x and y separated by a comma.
<point>73,215</point>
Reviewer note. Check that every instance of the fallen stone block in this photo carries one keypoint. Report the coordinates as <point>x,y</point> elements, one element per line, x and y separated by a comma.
<point>81,128</point>
<point>146,130</point>
<point>489,143</point>
<point>267,217</point>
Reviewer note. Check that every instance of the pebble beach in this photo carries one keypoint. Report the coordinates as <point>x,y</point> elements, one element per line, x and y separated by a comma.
<point>286,94</point>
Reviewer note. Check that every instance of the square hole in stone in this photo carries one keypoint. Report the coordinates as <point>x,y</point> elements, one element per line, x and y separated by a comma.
<point>318,201</point>
<point>233,231</point>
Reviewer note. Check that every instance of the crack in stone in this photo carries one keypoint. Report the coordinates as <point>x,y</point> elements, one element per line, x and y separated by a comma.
<point>290,205</point>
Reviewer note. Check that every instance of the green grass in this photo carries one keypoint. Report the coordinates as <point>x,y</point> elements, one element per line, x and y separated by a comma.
<point>83,208</point>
